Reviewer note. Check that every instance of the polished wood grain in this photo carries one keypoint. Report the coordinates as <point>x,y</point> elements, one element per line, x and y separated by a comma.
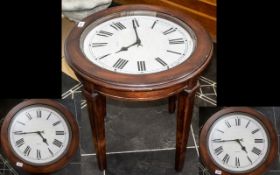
<point>96,105</point>
<point>99,83</point>
<point>172,104</point>
<point>44,169</point>
<point>203,11</point>
<point>184,117</point>
<point>272,151</point>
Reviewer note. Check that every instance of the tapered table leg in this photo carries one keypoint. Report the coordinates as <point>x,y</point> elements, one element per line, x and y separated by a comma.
<point>97,110</point>
<point>184,117</point>
<point>172,104</point>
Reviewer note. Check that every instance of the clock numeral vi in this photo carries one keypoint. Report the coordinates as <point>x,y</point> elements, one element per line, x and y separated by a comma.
<point>237,162</point>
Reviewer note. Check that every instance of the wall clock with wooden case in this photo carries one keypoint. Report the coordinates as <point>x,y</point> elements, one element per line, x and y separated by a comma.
<point>238,141</point>
<point>39,136</point>
<point>139,53</point>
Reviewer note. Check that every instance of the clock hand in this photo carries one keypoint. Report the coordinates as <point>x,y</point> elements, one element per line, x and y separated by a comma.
<point>138,41</point>
<point>44,139</point>
<point>233,140</point>
<point>126,48</point>
<point>21,133</point>
<point>242,147</point>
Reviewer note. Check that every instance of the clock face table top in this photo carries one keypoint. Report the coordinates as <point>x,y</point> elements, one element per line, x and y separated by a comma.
<point>138,48</point>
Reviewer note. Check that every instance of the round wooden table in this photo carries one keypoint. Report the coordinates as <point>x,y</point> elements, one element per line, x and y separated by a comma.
<point>179,84</point>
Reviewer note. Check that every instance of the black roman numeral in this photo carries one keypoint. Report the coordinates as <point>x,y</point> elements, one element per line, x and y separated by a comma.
<point>38,154</point>
<point>226,159</point>
<point>228,124</point>
<point>103,56</point>
<point>174,52</point>
<point>154,24</point>
<point>237,162</point>
<point>104,33</point>
<point>248,123</point>
<point>20,122</point>
<point>141,65</point>
<point>220,131</point>
<point>163,63</point>
<point>118,26</point>
<point>28,116</point>
<point>135,22</point>
<point>256,151</point>
<point>259,140</point>
<point>59,132</point>
<point>237,122</point>
<point>39,113</point>
<point>20,142</point>
<point>98,44</point>
<point>27,151</point>
<point>49,115</point>
<point>219,150</point>
<point>256,130</point>
<point>120,63</point>
<point>57,143</point>
<point>169,31</point>
<point>216,140</point>
<point>50,151</point>
<point>176,41</point>
<point>56,123</point>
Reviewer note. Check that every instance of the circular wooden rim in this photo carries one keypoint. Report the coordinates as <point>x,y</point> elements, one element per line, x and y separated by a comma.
<point>56,165</point>
<point>186,70</point>
<point>205,155</point>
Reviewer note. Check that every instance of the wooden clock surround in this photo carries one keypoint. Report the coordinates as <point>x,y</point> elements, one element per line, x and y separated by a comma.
<point>178,84</point>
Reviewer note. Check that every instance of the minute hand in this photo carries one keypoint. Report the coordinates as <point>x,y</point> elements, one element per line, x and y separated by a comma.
<point>233,140</point>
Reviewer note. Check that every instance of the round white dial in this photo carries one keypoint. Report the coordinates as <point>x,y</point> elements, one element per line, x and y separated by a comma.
<point>39,134</point>
<point>138,44</point>
<point>238,142</point>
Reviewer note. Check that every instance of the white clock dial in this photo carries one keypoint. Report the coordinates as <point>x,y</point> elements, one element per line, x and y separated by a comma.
<point>138,44</point>
<point>238,142</point>
<point>39,134</point>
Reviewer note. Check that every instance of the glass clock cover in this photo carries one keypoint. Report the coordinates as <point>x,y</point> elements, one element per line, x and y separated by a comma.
<point>139,42</point>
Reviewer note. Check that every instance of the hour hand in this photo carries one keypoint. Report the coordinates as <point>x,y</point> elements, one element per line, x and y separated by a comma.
<point>138,41</point>
<point>21,133</point>
<point>233,140</point>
